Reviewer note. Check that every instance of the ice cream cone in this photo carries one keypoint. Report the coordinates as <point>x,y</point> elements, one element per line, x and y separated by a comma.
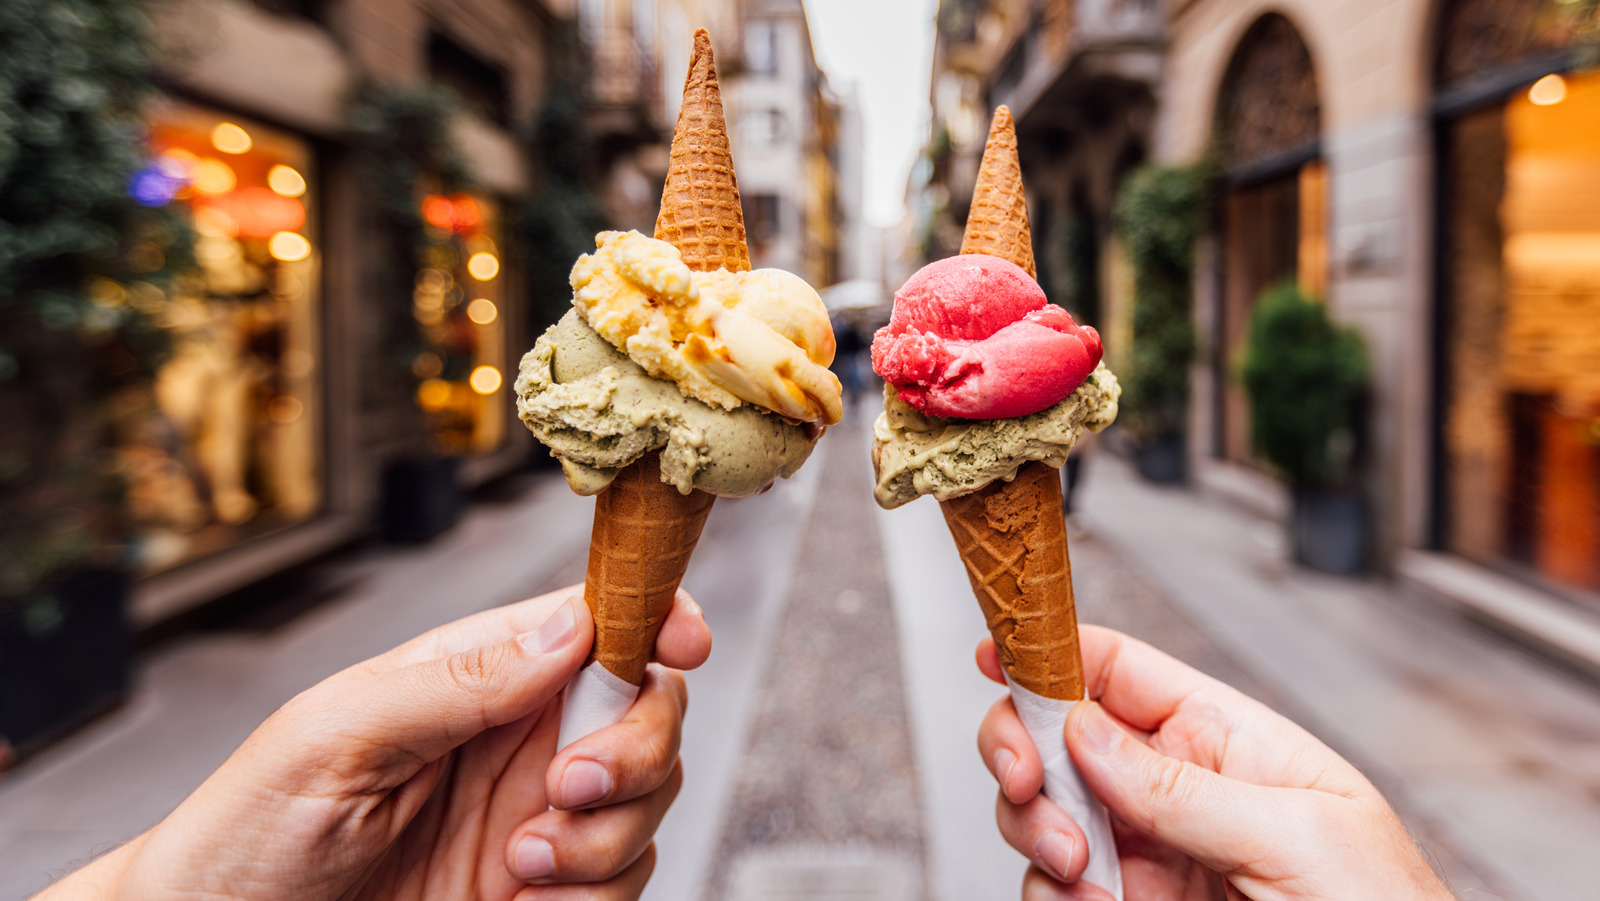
<point>997,223</point>
<point>1012,535</point>
<point>644,529</point>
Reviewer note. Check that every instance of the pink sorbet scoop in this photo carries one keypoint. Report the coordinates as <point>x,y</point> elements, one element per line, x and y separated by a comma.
<point>973,337</point>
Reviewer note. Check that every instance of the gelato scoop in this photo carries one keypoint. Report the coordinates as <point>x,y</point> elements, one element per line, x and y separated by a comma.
<point>723,337</point>
<point>973,337</point>
<point>599,411</point>
<point>914,454</point>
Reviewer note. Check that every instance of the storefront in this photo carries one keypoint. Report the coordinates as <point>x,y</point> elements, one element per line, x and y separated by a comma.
<point>1518,307</point>
<point>228,447</point>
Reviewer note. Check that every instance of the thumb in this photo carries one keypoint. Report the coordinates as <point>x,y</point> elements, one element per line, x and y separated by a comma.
<point>417,713</point>
<point>1221,822</point>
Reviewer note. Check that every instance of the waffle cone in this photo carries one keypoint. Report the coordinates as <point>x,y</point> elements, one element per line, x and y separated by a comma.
<point>997,223</point>
<point>700,212</point>
<point>1013,542</point>
<point>644,533</point>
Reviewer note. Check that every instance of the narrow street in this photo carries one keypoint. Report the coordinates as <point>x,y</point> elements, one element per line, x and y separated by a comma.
<point>829,747</point>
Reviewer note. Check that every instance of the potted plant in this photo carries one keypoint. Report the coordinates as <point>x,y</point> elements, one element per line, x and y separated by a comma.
<point>87,246</point>
<point>1160,213</point>
<point>1306,377</point>
<point>407,155</point>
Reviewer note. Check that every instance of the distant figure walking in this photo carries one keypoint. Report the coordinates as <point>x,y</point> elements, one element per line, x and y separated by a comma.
<point>846,363</point>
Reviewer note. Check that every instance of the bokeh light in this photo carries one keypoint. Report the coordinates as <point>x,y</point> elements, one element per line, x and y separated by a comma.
<point>1548,91</point>
<point>285,410</point>
<point>483,266</point>
<point>427,365</point>
<point>433,394</point>
<point>152,186</point>
<point>230,138</point>
<point>485,380</point>
<point>286,181</point>
<point>482,311</point>
<point>214,177</point>
<point>288,247</point>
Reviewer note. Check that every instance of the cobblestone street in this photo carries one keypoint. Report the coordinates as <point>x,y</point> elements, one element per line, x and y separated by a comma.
<point>830,744</point>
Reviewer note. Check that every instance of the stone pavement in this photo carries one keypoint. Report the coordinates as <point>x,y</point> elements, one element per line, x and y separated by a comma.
<point>829,750</point>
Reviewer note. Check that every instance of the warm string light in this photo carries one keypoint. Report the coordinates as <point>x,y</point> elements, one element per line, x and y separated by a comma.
<point>482,311</point>
<point>285,181</point>
<point>485,380</point>
<point>483,266</point>
<point>1548,91</point>
<point>230,138</point>
<point>288,247</point>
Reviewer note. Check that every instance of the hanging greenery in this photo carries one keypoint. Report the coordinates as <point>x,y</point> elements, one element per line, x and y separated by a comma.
<point>1305,375</point>
<point>87,246</point>
<point>1160,214</point>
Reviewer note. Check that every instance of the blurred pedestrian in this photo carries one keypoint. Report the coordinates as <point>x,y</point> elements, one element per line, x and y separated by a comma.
<point>846,358</point>
<point>431,771</point>
<point>1210,792</point>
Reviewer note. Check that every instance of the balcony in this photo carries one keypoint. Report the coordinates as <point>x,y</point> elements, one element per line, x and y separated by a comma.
<point>1121,39</point>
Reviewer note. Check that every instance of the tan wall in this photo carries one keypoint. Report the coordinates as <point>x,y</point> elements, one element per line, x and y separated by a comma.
<point>1373,64</point>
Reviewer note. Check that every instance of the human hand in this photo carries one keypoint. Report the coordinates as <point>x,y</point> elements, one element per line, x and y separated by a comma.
<point>431,772</point>
<point>1211,793</point>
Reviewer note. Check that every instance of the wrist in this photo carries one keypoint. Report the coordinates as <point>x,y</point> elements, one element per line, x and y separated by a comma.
<point>100,880</point>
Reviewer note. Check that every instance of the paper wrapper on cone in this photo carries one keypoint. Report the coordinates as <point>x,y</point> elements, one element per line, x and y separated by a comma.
<point>644,530</point>
<point>1012,538</point>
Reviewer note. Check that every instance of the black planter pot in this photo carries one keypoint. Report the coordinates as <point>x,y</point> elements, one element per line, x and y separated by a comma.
<point>1331,529</point>
<point>1162,459</point>
<point>420,499</point>
<point>64,661</point>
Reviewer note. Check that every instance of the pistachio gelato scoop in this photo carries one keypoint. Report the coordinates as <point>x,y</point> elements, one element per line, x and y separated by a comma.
<point>598,411</point>
<point>916,454</point>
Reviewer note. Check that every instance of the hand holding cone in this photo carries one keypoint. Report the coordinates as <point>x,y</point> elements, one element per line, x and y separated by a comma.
<point>644,529</point>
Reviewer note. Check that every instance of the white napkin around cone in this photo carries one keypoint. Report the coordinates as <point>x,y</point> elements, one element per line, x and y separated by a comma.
<point>1045,718</point>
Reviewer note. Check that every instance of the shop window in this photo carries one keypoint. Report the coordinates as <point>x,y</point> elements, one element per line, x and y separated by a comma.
<point>228,447</point>
<point>481,86</point>
<point>761,48</point>
<point>1521,313</point>
<point>761,218</point>
<point>458,302</point>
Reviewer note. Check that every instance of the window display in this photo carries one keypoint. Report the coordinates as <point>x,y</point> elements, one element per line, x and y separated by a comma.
<point>227,448</point>
<point>457,304</point>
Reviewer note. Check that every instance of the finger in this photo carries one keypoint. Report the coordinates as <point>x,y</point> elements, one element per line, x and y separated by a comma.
<point>491,626</point>
<point>625,886</point>
<point>989,661</point>
<point>1038,886</point>
<point>628,759</point>
<point>1222,822</point>
<point>417,713</point>
<point>1045,835</point>
<point>1009,753</point>
<point>561,846</point>
<point>685,641</point>
<point>1137,683</point>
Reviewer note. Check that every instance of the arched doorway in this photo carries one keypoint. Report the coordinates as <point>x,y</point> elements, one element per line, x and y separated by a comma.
<point>1518,305</point>
<point>1273,212</point>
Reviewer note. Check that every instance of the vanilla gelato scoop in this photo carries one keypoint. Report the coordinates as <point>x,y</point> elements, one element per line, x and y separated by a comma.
<point>724,338</point>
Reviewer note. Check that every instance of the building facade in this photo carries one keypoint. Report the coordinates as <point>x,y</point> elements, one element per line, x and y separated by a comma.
<point>283,401</point>
<point>1428,167</point>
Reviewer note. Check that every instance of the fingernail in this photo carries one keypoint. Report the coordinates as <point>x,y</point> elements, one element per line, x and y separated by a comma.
<point>535,859</point>
<point>557,631</point>
<point>1054,852</point>
<point>584,782</point>
<point>1100,734</point>
<point>1004,760</point>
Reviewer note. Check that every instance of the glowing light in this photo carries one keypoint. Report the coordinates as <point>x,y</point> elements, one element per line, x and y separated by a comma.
<point>286,181</point>
<point>230,138</point>
<point>259,212</point>
<point>485,380</point>
<point>434,394</point>
<point>285,410</point>
<point>466,213</point>
<point>210,220</point>
<point>214,177</point>
<point>483,266</point>
<point>482,311</point>
<point>1548,91</point>
<point>153,187</point>
<point>288,247</point>
<point>438,211</point>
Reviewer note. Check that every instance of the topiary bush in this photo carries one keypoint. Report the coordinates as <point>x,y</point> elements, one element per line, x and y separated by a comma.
<point>1160,214</point>
<point>1305,375</point>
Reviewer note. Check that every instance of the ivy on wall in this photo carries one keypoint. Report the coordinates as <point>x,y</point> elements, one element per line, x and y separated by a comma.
<point>84,266</point>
